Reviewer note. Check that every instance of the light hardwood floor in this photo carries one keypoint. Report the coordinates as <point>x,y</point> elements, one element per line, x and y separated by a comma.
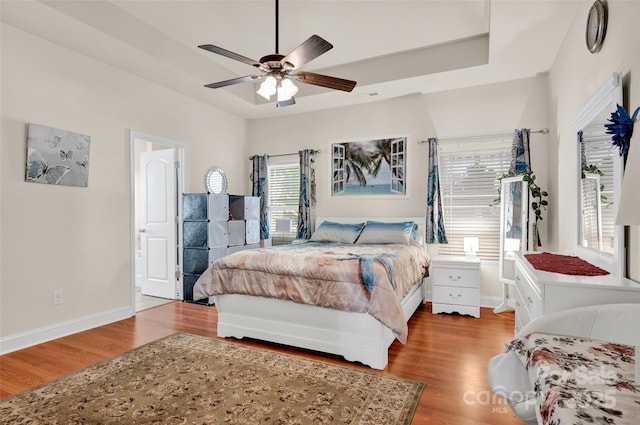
<point>449,353</point>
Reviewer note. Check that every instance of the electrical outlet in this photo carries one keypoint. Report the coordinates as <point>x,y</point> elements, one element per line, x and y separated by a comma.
<point>58,297</point>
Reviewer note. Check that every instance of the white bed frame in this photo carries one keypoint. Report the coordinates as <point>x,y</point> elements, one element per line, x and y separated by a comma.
<point>355,336</point>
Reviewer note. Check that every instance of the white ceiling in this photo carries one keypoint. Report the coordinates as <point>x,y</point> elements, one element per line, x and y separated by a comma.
<point>392,48</point>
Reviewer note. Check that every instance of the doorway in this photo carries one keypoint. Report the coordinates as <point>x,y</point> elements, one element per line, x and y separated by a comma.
<point>158,169</point>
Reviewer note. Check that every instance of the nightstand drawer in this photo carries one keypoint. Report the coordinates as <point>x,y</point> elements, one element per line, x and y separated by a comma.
<point>456,295</point>
<point>455,277</point>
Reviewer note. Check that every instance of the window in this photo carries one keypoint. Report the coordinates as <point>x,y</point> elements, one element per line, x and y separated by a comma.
<point>470,174</point>
<point>284,191</point>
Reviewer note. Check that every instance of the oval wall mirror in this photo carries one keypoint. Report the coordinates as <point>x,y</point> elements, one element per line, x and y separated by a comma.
<point>215,180</point>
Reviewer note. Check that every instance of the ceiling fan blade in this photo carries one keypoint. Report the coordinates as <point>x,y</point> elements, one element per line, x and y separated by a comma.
<point>310,49</point>
<point>229,54</point>
<point>284,103</point>
<point>325,81</point>
<point>232,81</point>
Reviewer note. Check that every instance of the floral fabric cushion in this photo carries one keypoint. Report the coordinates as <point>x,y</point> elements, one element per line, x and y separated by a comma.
<point>579,380</point>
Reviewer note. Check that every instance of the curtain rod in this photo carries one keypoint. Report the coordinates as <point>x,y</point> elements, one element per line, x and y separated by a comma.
<point>542,131</point>
<point>285,154</point>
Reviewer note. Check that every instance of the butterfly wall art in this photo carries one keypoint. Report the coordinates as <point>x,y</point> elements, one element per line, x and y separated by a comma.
<point>57,156</point>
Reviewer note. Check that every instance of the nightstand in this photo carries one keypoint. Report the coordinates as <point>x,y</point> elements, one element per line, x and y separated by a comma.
<point>455,283</point>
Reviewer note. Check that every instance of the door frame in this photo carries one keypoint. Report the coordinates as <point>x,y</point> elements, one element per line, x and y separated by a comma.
<point>182,150</point>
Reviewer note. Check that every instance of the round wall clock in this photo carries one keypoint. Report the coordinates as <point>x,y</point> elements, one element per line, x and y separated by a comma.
<point>596,26</point>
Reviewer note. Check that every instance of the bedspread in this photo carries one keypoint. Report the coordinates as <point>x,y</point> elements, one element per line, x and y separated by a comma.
<point>580,381</point>
<point>352,277</point>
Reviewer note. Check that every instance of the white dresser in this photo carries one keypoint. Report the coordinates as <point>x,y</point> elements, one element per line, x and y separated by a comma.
<point>538,292</point>
<point>455,284</point>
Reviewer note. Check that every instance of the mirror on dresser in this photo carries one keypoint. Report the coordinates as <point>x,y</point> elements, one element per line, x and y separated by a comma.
<point>515,232</point>
<point>599,179</point>
<point>514,224</point>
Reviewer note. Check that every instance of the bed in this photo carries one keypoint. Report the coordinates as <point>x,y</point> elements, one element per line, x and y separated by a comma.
<point>337,297</point>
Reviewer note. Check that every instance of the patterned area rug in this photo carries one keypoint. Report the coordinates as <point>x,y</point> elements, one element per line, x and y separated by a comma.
<point>188,379</point>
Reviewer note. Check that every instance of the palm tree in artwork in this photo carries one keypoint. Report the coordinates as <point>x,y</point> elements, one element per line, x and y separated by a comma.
<point>381,154</point>
<point>358,162</point>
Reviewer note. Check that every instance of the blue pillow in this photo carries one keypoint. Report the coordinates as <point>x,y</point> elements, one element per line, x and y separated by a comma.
<point>414,232</point>
<point>337,232</point>
<point>376,232</point>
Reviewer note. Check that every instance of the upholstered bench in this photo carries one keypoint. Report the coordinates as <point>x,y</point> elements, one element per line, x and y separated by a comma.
<point>574,366</point>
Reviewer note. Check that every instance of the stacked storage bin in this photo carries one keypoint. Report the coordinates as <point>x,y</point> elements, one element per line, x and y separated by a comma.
<point>195,251</point>
<point>215,225</point>
<point>244,224</point>
<point>218,228</point>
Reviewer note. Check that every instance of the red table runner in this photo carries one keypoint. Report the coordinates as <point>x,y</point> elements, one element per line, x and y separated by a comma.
<point>565,264</point>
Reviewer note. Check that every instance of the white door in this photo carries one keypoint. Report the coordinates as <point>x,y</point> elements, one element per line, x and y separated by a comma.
<point>158,223</point>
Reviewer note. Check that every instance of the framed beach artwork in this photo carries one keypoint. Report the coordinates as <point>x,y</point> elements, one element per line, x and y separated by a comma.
<point>57,156</point>
<point>369,167</point>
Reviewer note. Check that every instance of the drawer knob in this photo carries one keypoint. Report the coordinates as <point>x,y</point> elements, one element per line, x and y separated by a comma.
<point>455,297</point>
<point>529,301</point>
<point>455,279</point>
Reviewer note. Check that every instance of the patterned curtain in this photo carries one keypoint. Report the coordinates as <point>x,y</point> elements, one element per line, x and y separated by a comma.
<point>583,154</point>
<point>307,203</point>
<point>520,151</point>
<point>260,178</point>
<point>521,162</point>
<point>435,220</point>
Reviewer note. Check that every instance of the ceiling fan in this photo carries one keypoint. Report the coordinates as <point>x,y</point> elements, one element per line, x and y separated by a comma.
<point>278,70</point>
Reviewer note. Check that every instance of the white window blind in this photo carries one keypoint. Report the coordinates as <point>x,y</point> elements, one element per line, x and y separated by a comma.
<point>284,191</point>
<point>469,174</point>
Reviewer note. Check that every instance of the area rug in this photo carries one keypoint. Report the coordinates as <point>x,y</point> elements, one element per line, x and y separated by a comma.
<point>188,379</point>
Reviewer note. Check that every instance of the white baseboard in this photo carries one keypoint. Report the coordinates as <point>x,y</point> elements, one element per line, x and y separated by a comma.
<point>47,333</point>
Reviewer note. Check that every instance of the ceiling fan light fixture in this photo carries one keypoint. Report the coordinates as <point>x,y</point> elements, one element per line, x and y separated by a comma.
<point>268,87</point>
<point>286,90</point>
<point>280,69</point>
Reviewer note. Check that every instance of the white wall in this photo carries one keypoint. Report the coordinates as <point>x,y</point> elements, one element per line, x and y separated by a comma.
<point>78,239</point>
<point>475,111</point>
<point>575,75</point>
